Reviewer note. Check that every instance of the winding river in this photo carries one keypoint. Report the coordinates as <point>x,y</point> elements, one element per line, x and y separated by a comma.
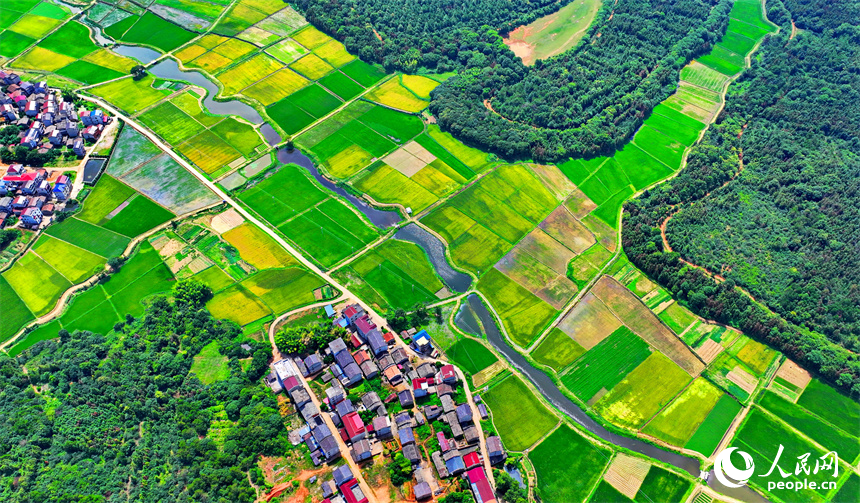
<point>454,280</point>
<point>473,314</point>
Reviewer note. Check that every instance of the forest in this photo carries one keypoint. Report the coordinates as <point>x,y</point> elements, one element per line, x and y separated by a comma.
<point>586,102</point>
<point>784,227</point>
<point>88,418</point>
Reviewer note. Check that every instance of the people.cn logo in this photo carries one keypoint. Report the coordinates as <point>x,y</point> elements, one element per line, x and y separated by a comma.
<point>727,473</point>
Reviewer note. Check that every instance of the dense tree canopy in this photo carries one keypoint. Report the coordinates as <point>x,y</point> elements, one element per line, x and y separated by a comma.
<point>588,101</point>
<point>121,419</point>
<point>787,227</point>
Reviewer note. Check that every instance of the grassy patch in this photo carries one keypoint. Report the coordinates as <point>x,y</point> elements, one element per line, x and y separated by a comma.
<point>209,365</point>
<point>520,418</point>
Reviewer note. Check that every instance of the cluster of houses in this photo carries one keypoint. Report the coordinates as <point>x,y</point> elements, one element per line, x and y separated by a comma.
<point>365,425</point>
<point>31,194</point>
<point>45,119</point>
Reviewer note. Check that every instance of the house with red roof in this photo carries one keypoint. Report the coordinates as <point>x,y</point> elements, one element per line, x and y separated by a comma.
<point>472,460</point>
<point>447,374</point>
<point>352,492</point>
<point>481,488</point>
<point>354,426</point>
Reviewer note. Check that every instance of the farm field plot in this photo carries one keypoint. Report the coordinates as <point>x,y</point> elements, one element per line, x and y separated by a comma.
<point>661,147</point>
<point>675,125</point>
<point>557,350</point>
<point>108,194</point>
<point>519,417</point>
<point>283,22</point>
<point>628,308</point>
<point>311,66</point>
<point>237,304</point>
<point>184,194</point>
<point>700,75</point>
<point>761,436</point>
<point>137,217</point>
<point>677,317</point>
<point>38,58</point>
<point>755,355</point>
<point>209,152</point>
<point>387,185</point>
<point>554,33</point>
<point>244,14</point>
<point>394,95</point>
<point>663,486</point>
<point>341,85</point>
<point>215,277</point>
<point>15,311</point>
<point>275,87</point>
<point>363,73</point>
<point>13,44</point>
<point>33,25</point>
<point>730,374</point>
<point>43,333</point>
<point>680,419</point>
<point>589,322</point>
<point>130,95</point>
<point>830,405</point>
<point>257,248</point>
<point>75,264</point>
<point>832,438</point>
<point>523,313</point>
<point>709,433</point>
<point>567,466</point>
<point>334,53</point>
<point>634,400</point>
<point>546,250</point>
<point>470,355</point>
<point>553,288</point>
<point>314,221</point>
<point>400,272</point>
<point>283,289</point>
<point>287,50</point>
<point>210,365</point>
<point>157,32</point>
<point>90,237</point>
<point>606,364</point>
<point>247,72</point>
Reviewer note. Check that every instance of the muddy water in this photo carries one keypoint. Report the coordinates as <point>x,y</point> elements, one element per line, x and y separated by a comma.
<point>468,319</point>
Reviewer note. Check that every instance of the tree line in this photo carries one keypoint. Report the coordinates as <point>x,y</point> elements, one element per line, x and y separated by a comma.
<point>786,228</point>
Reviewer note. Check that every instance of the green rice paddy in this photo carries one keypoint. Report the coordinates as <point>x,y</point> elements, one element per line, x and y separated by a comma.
<point>519,417</point>
<point>606,364</point>
<point>662,486</point>
<point>567,466</point>
<point>557,350</point>
<point>831,405</point>
<point>708,435</point>
<point>470,355</point>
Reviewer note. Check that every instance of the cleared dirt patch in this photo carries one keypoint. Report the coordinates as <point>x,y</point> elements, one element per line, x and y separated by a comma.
<point>567,230</point>
<point>709,350</point>
<point>626,474</point>
<point>552,34</point>
<point>641,320</point>
<point>404,162</point>
<point>546,250</point>
<point>742,378</point>
<point>794,374</point>
<point>227,220</point>
<point>589,322</point>
<point>171,248</point>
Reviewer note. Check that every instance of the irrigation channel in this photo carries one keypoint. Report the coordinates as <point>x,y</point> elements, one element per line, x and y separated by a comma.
<point>473,315</point>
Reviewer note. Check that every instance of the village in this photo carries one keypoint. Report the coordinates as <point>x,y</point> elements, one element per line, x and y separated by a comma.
<point>45,122</point>
<point>413,408</point>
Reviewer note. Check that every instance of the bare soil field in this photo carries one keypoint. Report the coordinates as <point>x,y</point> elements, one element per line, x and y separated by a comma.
<point>589,322</point>
<point>626,474</point>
